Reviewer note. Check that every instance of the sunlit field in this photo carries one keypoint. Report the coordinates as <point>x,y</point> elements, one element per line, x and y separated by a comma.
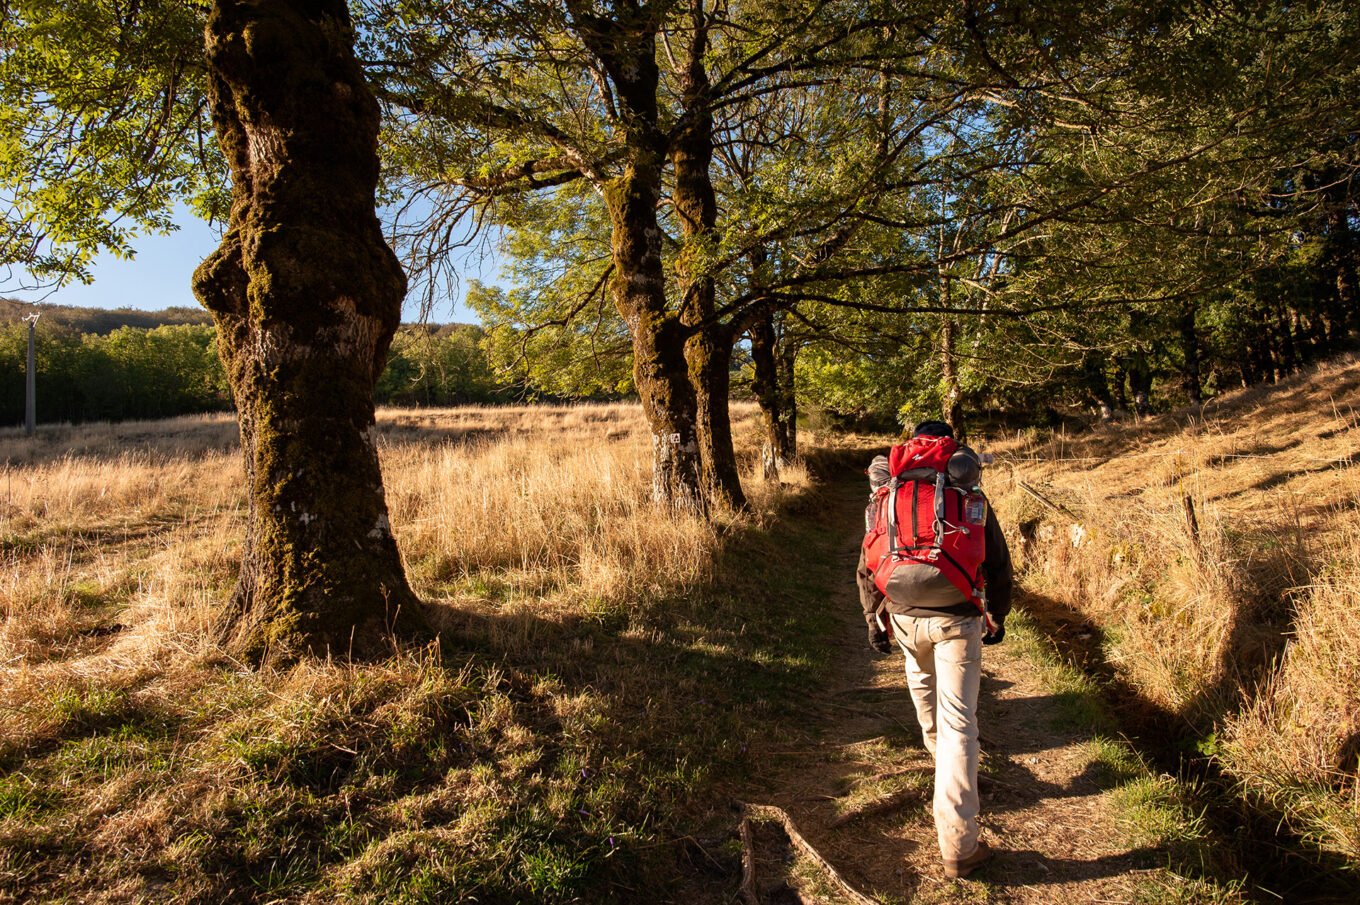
<point>537,750</point>
<point>604,672</point>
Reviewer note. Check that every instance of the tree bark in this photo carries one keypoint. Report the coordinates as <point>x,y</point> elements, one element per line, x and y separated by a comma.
<point>1340,258</point>
<point>785,358</point>
<point>1190,367</point>
<point>951,403</point>
<point>306,296</point>
<point>1140,383</point>
<point>708,350</point>
<point>660,371</point>
<point>626,47</point>
<point>708,355</point>
<point>1289,356</point>
<point>765,385</point>
<point>1097,384</point>
<point>1120,396</point>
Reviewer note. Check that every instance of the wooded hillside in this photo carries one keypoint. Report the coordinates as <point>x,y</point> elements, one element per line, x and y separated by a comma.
<point>99,321</point>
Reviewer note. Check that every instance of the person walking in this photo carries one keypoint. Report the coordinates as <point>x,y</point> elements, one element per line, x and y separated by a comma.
<point>924,591</point>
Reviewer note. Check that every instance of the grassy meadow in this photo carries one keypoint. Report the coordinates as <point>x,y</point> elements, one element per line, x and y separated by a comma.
<point>1205,566</point>
<point>600,670</point>
<point>607,679</point>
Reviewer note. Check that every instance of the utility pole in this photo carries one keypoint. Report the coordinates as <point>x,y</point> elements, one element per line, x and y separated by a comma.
<point>30,398</point>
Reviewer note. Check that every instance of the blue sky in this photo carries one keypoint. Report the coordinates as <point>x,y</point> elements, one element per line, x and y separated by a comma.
<point>159,277</point>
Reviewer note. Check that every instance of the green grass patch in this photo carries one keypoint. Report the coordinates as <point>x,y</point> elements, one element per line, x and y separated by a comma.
<point>87,706</point>
<point>536,756</point>
<point>24,799</point>
<point>1152,811</point>
<point>1078,695</point>
<point>103,756</point>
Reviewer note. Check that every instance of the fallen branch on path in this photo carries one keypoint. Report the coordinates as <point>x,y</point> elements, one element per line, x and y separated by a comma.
<point>989,779</point>
<point>779,815</point>
<point>889,774</point>
<point>871,713</point>
<point>861,689</point>
<point>863,741</point>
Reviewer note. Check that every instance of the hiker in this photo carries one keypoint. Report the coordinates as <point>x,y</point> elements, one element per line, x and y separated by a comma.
<point>935,575</point>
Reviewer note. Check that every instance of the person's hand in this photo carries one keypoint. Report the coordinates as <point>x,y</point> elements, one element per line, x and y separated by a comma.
<point>878,640</point>
<point>997,636</point>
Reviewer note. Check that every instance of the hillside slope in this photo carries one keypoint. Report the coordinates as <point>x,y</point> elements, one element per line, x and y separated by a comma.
<point>1206,565</point>
<point>103,321</point>
<point>100,320</point>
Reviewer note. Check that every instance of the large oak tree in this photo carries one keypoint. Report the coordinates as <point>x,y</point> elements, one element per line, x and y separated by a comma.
<point>104,126</point>
<point>306,295</point>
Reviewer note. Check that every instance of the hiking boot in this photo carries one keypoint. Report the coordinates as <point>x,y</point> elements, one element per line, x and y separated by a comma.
<point>963,867</point>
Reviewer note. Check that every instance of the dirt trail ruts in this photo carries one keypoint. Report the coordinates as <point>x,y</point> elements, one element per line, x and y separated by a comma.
<point>859,788</point>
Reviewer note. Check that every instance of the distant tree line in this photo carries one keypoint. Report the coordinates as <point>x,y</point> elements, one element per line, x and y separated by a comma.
<point>78,319</point>
<point>129,373</point>
<point>1263,326</point>
<point>434,366</point>
<point>174,369</point>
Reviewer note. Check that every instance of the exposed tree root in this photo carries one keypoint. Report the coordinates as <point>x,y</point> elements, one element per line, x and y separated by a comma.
<point>779,815</point>
<point>748,864</point>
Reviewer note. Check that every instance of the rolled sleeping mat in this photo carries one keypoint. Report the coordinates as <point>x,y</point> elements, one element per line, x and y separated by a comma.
<point>965,468</point>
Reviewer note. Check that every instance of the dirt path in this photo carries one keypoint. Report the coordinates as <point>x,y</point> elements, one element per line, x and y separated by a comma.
<point>859,789</point>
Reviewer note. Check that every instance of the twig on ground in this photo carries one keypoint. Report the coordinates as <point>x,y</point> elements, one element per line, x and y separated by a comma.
<point>865,712</point>
<point>889,774</point>
<point>863,741</point>
<point>1046,501</point>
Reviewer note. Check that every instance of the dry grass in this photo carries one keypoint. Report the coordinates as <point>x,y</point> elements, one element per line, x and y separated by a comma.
<point>1298,743</point>
<point>597,665</point>
<point>1213,556</point>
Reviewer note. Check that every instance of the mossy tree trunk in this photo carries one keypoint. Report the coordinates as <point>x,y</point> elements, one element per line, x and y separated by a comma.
<point>1338,264</point>
<point>708,355</point>
<point>1097,384</point>
<point>1190,355</point>
<point>951,400</point>
<point>765,386</point>
<point>1342,254</point>
<point>708,349</point>
<point>786,359</point>
<point>306,296</point>
<point>626,47</point>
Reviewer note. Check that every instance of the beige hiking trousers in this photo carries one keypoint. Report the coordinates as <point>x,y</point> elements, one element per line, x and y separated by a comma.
<point>944,669</point>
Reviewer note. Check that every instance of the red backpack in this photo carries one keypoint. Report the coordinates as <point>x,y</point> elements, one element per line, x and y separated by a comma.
<point>926,540</point>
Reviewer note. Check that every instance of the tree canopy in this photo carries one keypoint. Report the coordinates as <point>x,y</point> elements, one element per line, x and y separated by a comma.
<point>946,208</point>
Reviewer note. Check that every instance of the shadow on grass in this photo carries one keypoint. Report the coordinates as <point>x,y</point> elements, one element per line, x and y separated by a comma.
<point>534,756</point>
<point>1252,842</point>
